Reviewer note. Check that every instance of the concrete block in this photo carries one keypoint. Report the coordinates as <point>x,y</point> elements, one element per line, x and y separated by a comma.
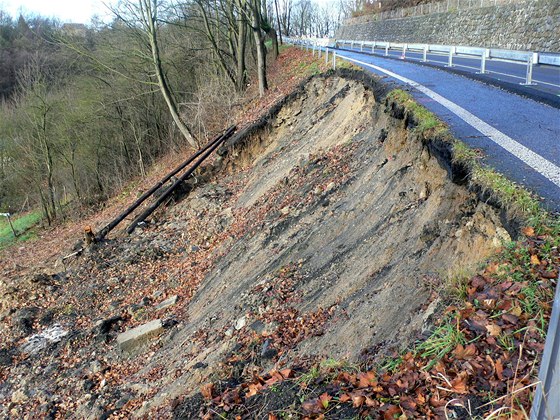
<point>131,340</point>
<point>167,303</point>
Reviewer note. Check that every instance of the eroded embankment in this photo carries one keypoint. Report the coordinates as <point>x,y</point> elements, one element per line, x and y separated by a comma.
<point>326,230</point>
<point>343,231</point>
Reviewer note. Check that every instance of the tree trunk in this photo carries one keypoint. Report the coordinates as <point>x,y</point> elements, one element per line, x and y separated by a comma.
<point>271,33</point>
<point>259,44</point>
<point>278,21</point>
<point>151,17</point>
<point>241,81</point>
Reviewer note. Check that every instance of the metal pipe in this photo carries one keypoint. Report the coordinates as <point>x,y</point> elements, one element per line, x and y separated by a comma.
<point>425,54</point>
<point>110,226</point>
<point>179,181</point>
<point>334,60</point>
<point>327,55</point>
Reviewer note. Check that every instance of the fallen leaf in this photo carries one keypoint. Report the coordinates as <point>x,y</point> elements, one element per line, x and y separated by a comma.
<point>494,330</point>
<point>391,412</point>
<point>358,400</point>
<point>499,369</point>
<point>459,384</point>
<point>207,391</point>
<point>535,260</point>
<point>253,389</point>
<point>528,231</point>
<point>287,373</point>
<point>463,353</point>
<point>512,319</point>
<point>345,398</point>
<point>325,398</point>
<point>366,379</point>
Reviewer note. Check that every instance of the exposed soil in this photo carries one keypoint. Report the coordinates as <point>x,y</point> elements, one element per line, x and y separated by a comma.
<point>327,230</point>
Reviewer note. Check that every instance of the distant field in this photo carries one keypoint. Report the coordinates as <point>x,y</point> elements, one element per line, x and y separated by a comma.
<point>23,226</point>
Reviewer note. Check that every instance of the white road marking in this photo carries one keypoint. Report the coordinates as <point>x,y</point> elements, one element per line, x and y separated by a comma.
<point>543,166</point>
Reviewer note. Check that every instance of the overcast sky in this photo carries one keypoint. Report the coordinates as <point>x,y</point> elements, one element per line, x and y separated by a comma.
<point>75,11</point>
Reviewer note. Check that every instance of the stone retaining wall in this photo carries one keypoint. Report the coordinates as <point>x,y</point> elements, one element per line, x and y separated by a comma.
<point>530,25</point>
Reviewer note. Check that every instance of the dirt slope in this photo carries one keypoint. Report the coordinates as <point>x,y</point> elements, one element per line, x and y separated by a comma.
<point>328,231</point>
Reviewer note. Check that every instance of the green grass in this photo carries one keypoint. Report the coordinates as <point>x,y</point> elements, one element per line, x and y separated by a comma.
<point>23,226</point>
<point>425,119</point>
<point>443,340</point>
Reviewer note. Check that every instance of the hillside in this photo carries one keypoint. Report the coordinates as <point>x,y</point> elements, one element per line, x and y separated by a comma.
<point>322,240</point>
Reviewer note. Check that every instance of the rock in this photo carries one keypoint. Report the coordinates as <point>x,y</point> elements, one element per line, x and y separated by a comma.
<point>5,357</point>
<point>257,326</point>
<point>131,340</point>
<point>95,366</point>
<point>318,190</point>
<point>285,210</point>
<point>104,326</point>
<point>23,320</point>
<point>19,397</point>
<point>266,351</point>
<point>229,332</point>
<point>167,303</point>
<point>200,365</point>
<point>88,385</point>
<point>38,342</point>
<point>330,187</point>
<point>241,322</point>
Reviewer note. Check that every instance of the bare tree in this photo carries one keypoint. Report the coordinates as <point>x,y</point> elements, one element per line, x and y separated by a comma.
<point>143,14</point>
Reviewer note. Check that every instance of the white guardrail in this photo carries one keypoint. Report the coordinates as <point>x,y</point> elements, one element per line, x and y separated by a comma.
<point>527,58</point>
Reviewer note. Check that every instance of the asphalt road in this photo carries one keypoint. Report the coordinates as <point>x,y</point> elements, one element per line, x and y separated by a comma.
<point>519,136</point>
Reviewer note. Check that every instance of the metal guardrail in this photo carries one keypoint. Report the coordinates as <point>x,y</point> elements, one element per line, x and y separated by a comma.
<point>526,58</point>
<point>546,404</point>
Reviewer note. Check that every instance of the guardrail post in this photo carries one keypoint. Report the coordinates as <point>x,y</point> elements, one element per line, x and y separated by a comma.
<point>334,61</point>
<point>451,52</point>
<point>425,54</point>
<point>327,55</point>
<point>403,56</point>
<point>352,45</point>
<point>362,47</point>
<point>373,47</point>
<point>529,77</point>
<point>320,51</point>
<point>485,54</point>
<point>387,49</point>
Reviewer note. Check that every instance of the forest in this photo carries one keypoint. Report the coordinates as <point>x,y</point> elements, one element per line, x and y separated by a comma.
<point>86,108</point>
